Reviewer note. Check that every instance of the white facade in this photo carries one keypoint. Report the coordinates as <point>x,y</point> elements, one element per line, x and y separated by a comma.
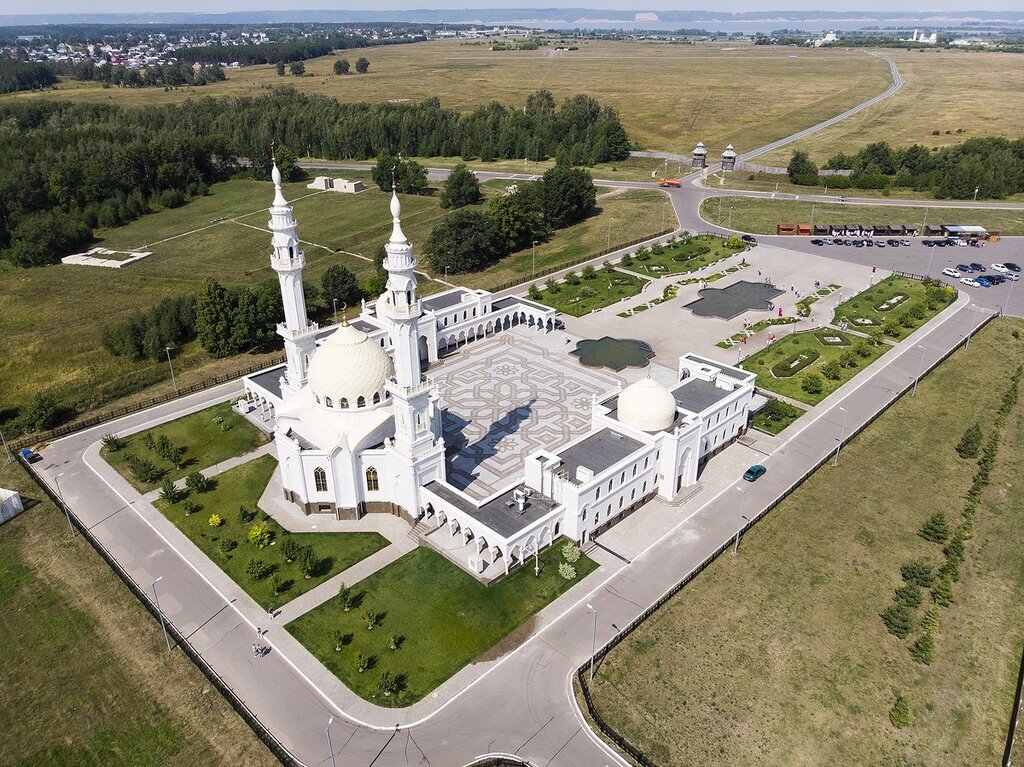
<point>331,184</point>
<point>10,504</point>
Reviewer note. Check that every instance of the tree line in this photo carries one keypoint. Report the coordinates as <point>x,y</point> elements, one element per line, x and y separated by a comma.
<point>171,75</point>
<point>25,76</point>
<point>994,166</point>
<point>70,168</point>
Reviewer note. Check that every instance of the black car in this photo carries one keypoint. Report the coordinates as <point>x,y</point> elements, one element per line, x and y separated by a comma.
<point>817,242</point>
<point>893,243</point>
<point>928,243</point>
<point>963,268</point>
<point>749,239</point>
<point>977,267</point>
<point>940,243</point>
<point>1011,266</point>
<point>996,279</point>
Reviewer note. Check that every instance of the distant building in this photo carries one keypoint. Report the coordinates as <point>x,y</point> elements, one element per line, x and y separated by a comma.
<point>729,158</point>
<point>10,505</point>
<point>330,184</point>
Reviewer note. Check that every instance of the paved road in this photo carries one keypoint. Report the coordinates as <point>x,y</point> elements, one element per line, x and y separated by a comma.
<point>523,705</point>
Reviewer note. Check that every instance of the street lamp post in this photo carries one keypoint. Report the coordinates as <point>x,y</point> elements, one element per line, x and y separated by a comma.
<point>842,433</point>
<point>11,458</point>
<point>1006,303</point>
<point>812,218</point>
<point>593,646</point>
<point>533,270</point>
<point>335,302</point>
<point>920,369</point>
<point>330,746</point>
<point>171,366</point>
<point>664,212</point>
<point>609,246</point>
<point>976,192</point>
<point>63,506</point>
<point>160,612</point>
<point>446,274</point>
<point>736,543</point>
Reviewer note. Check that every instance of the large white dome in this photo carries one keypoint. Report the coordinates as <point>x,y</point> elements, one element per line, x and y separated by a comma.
<point>349,370</point>
<point>647,405</point>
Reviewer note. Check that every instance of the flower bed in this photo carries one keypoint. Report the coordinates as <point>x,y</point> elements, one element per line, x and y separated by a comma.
<point>794,363</point>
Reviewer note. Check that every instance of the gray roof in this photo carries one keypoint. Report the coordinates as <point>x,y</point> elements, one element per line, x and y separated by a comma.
<point>362,325</point>
<point>500,514</point>
<point>696,394</point>
<point>598,452</point>
<point>270,379</point>
<point>444,300</point>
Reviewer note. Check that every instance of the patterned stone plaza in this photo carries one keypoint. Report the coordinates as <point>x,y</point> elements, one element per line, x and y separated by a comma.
<point>510,395</point>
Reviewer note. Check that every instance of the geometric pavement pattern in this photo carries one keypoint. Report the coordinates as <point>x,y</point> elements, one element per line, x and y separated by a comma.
<point>505,397</point>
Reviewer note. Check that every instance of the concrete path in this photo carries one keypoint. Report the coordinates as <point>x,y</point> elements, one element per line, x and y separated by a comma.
<point>219,468</point>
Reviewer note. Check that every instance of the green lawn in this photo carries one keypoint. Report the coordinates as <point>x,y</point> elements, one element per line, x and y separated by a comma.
<point>782,366</point>
<point>446,616</point>
<point>682,257</point>
<point>206,442</point>
<point>774,418</point>
<point>895,307</point>
<point>762,216</point>
<point>605,288</point>
<point>86,677</point>
<point>243,486</point>
<point>778,656</point>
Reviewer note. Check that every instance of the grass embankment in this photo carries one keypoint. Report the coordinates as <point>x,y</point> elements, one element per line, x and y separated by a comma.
<point>728,94</point>
<point>784,366</point>
<point>243,486</point>
<point>762,216</point>
<point>778,655</point>
<point>776,416</point>
<point>208,437</point>
<point>86,677</point>
<point>595,291</point>
<point>444,617</point>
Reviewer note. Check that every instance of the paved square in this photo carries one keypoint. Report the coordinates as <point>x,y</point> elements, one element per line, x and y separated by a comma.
<point>507,396</point>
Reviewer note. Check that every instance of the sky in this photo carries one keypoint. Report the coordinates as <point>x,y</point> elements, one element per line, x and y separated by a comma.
<point>207,6</point>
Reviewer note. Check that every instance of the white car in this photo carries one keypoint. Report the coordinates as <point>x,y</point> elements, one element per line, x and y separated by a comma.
<point>952,273</point>
<point>970,281</point>
<point>1012,277</point>
<point>1000,268</point>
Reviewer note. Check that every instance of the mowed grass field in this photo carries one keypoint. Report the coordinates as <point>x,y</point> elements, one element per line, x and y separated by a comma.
<point>945,91</point>
<point>669,96</point>
<point>778,655</point>
<point>86,677</point>
<point>54,316</point>
<point>762,216</point>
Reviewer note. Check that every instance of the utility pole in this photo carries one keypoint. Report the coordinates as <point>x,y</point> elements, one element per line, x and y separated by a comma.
<point>920,369</point>
<point>743,498</point>
<point>842,433</point>
<point>11,458</point>
<point>593,646</point>
<point>63,506</point>
<point>160,612</point>
<point>533,271</point>
<point>171,366</point>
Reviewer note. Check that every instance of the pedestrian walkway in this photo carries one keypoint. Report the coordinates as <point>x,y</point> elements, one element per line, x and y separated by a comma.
<point>220,468</point>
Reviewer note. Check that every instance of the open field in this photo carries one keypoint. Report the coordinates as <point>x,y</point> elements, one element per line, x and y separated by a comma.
<point>243,486</point>
<point>53,316</point>
<point>208,437</point>
<point>674,96</point>
<point>86,677</point>
<point>778,655</point>
<point>761,216</point>
<point>945,91</point>
<point>453,620</point>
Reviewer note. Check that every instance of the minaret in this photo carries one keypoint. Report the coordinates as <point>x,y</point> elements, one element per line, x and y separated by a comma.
<point>417,423</point>
<point>287,260</point>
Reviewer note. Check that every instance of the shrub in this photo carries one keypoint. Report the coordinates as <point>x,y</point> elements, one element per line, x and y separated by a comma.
<point>567,571</point>
<point>831,370</point>
<point>290,549</point>
<point>935,528</point>
<point>812,383</point>
<point>215,520</point>
<point>627,260</point>
<point>607,267</point>
<point>113,443</point>
<point>942,592</point>
<point>923,649</point>
<point>259,535</point>
<point>387,683</point>
<point>147,441</point>
<point>395,641</point>
<point>891,328</point>
<point>534,293</point>
<point>360,663</point>
<point>862,349</point>
<point>168,492</point>
<point>339,640</point>
<point>909,596</point>
<point>228,545</point>
<point>196,482</point>
<point>143,469</point>
<point>551,286</point>
<point>257,569</point>
<point>898,620</point>
<point>848,359</point>
<point>586,292</point>
<point>371,619</point>
<point>930,622</point>
<point>572,278</point>
<point>589,272</point>
<point>190,508</point>
<point>918,572</point>
<point>901,714</point>
<point>245,516</point>
<point>970,443</point>
<point>308,562</point>
<point>571,553</point>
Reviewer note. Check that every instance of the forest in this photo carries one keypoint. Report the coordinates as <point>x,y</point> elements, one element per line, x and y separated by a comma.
<point>70,168</point>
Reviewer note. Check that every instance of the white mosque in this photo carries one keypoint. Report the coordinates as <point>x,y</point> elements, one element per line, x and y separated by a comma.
<point>357,424</point>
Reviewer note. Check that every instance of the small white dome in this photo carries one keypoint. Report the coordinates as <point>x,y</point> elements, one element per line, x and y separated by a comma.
<point>349,365</point>
<point>647,405</point>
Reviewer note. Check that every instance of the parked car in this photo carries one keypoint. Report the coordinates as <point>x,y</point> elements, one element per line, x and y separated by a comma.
<point>817,242</point>
<point>749,239</point>
<point>985,282</point>
<point>970,281</point>
<point>1000,268</point>
<point>840,198</point>
<point>30,455</point>
<point>1012,277</point>
<point>1012,266</point>
<point>940,243</point>
<point>951,273</point>
<point>905,242</point>
<point>977,267</point>
<point>964,268</point>
<point>754,472</point>
<point>928,243</point>
<point>858,243</point>
<point>893,243</point>
<point>879,243</point>
<point>977,244</point>
<point>869,243</point>
<point>996,279</point>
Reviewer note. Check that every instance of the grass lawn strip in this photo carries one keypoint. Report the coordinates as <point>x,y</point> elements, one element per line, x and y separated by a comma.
<point>208,436</point>
<point>243,486</point>
<point>604,288</point>
<point>446,619</point>
<point>894,307</point>
<point>776,416</point>
<point>86,677</point>
<point>680,257</point>
<point>734,667</point>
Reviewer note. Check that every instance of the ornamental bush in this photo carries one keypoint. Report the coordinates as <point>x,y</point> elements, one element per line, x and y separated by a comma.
<point>259,535</point>
<point>831,370</point>
<point>812,383</point>
<point>245,516</point>
<point>290,549</point>
<point>196,482</point>
<point>227,545</point>
<point>567,571</point>
<point>571,553</point>
<point>257,569</point>
<point>168,492</point>
<point>215,520</point>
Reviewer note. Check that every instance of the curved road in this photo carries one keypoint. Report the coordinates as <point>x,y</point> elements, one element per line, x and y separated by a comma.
<point>523,704</point>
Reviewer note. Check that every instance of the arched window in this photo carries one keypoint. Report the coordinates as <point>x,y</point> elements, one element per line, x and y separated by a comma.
<point>343,403</point>
<point>320,479</point>
<point>372,483</point>
<point>361,402</point>
<point>328,402</point>
<point>376,397</point>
